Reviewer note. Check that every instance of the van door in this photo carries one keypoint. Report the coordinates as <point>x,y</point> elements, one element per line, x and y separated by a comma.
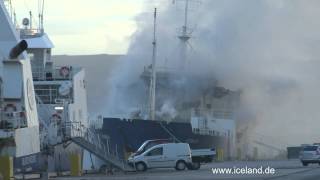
<point>154,158</point>
<point>170,156</point>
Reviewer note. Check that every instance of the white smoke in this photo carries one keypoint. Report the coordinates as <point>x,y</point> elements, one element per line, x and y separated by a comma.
<point>167,111</point>
<point>266,48</point>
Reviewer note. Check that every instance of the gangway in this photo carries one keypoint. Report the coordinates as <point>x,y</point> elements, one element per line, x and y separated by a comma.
<point>90,140</point>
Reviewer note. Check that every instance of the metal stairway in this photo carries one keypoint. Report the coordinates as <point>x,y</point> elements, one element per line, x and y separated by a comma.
<point>86,138</point>
<point>90,140</point>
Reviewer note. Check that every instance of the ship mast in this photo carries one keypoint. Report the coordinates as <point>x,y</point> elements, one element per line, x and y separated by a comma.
<point>41,11</point>
<point>152,95</point>
<point>8,5</point>
<point>184,37</point>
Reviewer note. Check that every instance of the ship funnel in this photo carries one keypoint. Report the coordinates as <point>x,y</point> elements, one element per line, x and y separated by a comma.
<point>18,49</point>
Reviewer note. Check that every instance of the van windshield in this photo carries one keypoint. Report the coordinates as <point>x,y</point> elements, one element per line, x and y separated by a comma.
<point>141,148</point>
<point>147,145</point>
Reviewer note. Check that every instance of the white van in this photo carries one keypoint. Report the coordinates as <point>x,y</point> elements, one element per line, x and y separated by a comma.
<point>176,155</point>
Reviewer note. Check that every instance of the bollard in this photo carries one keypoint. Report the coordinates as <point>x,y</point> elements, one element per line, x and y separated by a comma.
<point>75,162</point>
<point>6,167</point>
<point>220,154</point>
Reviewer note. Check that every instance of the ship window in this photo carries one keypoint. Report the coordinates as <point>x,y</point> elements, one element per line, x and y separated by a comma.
<point>155,152</point>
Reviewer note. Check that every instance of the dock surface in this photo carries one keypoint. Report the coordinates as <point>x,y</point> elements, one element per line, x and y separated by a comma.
<point>284,169</point>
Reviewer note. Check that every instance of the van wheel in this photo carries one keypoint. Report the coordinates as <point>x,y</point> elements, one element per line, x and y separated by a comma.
<point>181,165</point>
<point>304,164</point>
<point>140,166</point>
<point>103,169</point>
<point>195,165</point>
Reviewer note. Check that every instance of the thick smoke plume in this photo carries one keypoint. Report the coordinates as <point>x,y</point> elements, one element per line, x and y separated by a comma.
<point>268,49</point>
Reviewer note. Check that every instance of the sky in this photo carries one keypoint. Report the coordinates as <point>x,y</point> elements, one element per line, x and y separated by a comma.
<point>79,27</point>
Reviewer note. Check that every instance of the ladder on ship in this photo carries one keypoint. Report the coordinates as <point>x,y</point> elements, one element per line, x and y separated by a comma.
<point>86,138</point>
<point>90,140</point>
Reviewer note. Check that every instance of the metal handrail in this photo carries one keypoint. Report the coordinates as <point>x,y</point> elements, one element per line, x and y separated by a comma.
<point>217,113</point>
<point>39,74</point>
<point>51,95</point>
<point>13,120</point>
<point>78,130</point>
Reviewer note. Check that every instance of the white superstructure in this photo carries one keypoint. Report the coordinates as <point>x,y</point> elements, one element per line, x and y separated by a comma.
<point>19,125</point>
<point>61,91</point>
<point>61,98</point>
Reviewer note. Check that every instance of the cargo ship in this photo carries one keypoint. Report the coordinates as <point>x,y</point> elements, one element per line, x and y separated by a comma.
<point>203,115</point>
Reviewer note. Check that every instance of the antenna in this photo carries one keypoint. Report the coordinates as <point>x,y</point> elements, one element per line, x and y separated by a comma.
<point>30,13</point>
<point>185,35</point>
<point>8,4</point>
<point>152,96</point>
<point>41,11</point>
<point>15,19</point>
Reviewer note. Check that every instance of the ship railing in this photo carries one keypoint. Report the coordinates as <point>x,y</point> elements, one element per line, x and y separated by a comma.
<point>13,120</point>
<point>50,95</point>
<point>77,129</point>
<point>207,131</point>
<point>58,73</point>
<point>215,113</point>
<point>30,32</point>
<point>95,140</point>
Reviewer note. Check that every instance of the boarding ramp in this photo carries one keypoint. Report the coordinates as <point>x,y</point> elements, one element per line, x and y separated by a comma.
<point>90,140</point>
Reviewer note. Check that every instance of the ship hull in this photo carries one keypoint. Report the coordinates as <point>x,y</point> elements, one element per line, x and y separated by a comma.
<point>127,136</point>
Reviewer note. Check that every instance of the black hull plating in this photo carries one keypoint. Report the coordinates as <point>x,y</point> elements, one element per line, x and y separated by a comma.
<point>128,135</point>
